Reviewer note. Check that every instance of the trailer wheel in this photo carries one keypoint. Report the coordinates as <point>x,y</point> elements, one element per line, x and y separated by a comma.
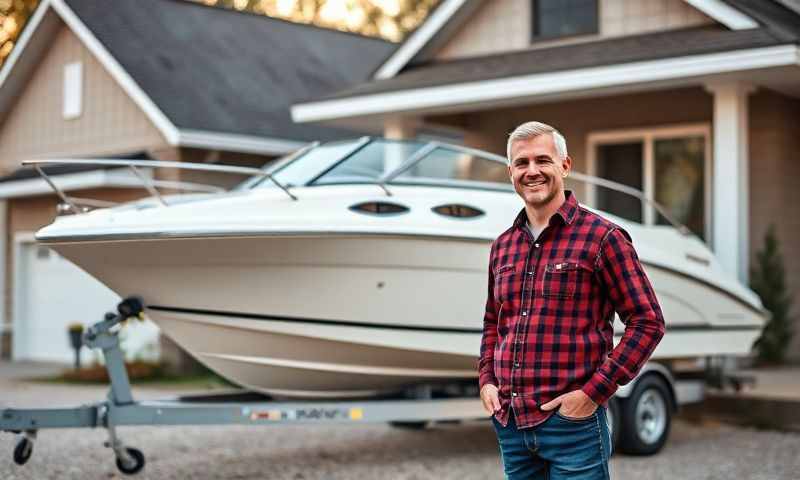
<point>645,417</point>
<point>135,465</point>
<point>23,451</point>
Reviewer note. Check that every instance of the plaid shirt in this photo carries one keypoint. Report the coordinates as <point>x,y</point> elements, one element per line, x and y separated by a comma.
<point>548,326</point>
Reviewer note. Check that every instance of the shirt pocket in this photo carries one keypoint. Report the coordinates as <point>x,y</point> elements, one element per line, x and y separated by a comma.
<point>504,287</point>
<point>563,279</point>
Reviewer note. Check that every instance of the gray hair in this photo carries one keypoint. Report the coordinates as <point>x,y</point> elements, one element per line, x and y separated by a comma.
<point>530,130</point>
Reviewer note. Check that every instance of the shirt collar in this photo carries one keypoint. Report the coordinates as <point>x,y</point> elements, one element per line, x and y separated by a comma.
<point>566,211</point>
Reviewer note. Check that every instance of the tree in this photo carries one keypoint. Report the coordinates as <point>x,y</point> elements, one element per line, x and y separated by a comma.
<point>768,280</point>
<point>389,19</point>
<point>13,15</point>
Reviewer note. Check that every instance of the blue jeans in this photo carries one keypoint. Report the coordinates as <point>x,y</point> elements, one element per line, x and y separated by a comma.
<point>559,448</point>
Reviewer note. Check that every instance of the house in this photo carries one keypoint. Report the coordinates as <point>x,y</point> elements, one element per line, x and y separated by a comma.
<point>694,102</point>
<point>145,79</point>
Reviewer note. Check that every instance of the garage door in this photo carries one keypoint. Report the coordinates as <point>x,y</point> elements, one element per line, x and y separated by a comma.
<point>50,294</point>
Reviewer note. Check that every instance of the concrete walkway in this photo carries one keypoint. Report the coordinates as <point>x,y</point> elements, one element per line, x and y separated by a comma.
<point>779,383</point>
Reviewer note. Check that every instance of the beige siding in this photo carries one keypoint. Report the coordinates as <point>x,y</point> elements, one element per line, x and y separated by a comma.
<point>504,25</point>
<point>497,26</point>
<point>774,196</point>
<point>110,121</point>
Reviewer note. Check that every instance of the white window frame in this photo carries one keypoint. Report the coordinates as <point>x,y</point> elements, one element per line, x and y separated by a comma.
<point>647,136</point>
<point>73,90</point>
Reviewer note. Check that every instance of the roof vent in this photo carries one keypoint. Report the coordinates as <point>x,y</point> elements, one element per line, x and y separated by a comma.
<point>458,211</point>
<point>379,208</point>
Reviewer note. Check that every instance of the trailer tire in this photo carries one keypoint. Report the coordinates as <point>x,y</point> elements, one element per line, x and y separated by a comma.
<point>138,462</point>
<point>23,451</point>
<point>645,417</point>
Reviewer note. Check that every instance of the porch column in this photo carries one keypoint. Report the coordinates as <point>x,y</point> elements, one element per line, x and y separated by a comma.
<point>400,128</point>
<point>730,196</point>
<point>397,128</point>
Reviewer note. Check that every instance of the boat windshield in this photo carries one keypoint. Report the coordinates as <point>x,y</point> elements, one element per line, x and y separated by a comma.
<point>301,170</point>
<point>450,165</point>
<point>391,162</point>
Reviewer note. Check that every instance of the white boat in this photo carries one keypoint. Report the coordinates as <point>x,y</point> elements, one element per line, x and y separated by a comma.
<point>359,267</point>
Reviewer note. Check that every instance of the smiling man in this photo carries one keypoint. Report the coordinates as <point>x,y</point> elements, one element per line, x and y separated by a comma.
<point>556,277</point>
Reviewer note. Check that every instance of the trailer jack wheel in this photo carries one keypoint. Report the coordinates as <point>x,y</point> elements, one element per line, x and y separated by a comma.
<point>134,464</point>
<point>23,451</point>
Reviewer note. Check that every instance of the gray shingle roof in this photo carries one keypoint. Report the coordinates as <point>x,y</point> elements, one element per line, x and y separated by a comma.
<point>226,71</point>
<point>653,46</point>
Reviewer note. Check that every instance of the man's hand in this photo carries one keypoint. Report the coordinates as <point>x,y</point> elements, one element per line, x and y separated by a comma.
<point>575,404</point>
<point>490,399</point>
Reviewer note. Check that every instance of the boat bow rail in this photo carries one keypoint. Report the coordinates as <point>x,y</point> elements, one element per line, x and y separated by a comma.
<point>348,157</point>
<point>79,205</point>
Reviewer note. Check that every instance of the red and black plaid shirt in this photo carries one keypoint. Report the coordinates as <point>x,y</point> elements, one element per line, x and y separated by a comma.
<point>548,327</point>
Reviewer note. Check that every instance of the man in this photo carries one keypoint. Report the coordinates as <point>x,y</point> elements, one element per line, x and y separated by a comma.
<point>556,277</point>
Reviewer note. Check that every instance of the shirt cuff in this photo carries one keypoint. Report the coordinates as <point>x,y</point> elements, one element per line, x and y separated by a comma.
<point>486,379</point>
<point>599,388</point>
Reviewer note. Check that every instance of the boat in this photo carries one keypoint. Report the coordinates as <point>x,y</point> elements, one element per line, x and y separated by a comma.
<point>358,267</point>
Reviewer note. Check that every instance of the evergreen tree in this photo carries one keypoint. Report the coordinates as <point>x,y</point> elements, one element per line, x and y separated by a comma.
<point>768,280</point>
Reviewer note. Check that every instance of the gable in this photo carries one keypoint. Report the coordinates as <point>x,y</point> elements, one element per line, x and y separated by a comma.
<point>501,26</point>
<point>109,122</point>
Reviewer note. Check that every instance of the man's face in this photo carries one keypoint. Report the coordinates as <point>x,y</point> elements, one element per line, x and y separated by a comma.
<point>536,170</point>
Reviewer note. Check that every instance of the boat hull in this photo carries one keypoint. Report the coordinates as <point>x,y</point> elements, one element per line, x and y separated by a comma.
<point>350,315</point>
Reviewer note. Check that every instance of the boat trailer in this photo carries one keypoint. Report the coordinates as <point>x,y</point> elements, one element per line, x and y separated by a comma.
<point>241,408</point>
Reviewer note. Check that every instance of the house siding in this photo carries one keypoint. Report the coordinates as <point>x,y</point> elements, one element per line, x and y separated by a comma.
<point>110,121</point>
<point>774,196</point>
<point>505,25</point>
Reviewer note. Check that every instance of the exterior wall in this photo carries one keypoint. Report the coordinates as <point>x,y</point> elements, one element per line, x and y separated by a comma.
<point>504,25</point>
<point>774,196</point>
<point>109,123</point>
<point>29,215</point>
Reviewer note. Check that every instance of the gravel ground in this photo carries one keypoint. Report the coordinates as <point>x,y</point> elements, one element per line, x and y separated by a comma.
<point>374,451</point>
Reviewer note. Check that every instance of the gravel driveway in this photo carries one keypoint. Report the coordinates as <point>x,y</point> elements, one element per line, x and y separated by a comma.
<point>372,451</point>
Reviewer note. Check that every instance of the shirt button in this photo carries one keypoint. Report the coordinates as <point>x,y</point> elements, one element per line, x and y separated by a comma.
<point>514,394</point>
<point>535,245</point>
<point>524,314</point>
<point>530,273</point>
<point>516,364</point>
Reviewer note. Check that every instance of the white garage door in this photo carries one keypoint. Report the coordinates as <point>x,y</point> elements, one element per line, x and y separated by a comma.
<point>52,293</point>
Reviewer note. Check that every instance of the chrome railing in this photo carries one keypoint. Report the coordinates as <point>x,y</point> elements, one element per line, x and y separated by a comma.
<point>78,205</point>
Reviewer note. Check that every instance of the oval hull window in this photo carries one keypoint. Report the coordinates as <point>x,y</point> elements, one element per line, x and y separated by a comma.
<point>457,210</point>
<point>379,208</point>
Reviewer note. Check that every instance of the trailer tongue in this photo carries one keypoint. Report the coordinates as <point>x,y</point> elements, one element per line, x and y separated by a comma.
<point>241,408</point>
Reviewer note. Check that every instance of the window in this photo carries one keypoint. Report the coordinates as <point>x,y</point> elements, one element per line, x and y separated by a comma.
<point>73,90</point>
<point>379,208</point>
<point>457,210</point>
<point>670,165</point>
<point>563,18</point>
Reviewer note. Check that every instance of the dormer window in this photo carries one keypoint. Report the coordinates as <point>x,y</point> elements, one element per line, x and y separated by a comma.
<point>563,18</point>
